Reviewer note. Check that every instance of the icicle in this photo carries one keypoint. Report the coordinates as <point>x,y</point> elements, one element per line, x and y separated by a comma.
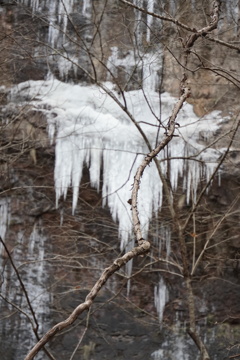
<point>158,354</point>
<point>129,265</point>
<point>90,128</point>
<point>113,62</point>
<point>138,17</point>
<point>4,221</point>
<point>150,8</point>
<point>219,177</point>
<point>168,242</point>
<point>86,8</point>
<point>53,31</point>
<point>151,67</point>
<point>160,298</point>
<point>65,7</point>
<point>4,217</point>
<point>61,217</point>
<point>66,64</point>
<point>34,4</point>
<point>163,239</point>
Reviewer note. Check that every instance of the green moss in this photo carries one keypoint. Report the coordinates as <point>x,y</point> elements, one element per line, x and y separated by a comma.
<point>88,350</point>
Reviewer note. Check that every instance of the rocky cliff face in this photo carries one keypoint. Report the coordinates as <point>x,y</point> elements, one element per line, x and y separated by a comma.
<point>58,255</point>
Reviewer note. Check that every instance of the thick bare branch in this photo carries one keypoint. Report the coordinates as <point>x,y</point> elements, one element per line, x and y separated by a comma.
<point>33,322</point>
<point>149,158</point>
<point>117,264</point>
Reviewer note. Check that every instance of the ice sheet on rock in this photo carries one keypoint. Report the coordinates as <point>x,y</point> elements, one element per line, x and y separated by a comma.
<point>89,128</point>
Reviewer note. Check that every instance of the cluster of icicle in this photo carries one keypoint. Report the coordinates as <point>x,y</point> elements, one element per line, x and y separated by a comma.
<point>89,128</point>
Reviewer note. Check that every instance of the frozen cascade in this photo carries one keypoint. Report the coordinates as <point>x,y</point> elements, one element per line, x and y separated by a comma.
<point>90,128</point>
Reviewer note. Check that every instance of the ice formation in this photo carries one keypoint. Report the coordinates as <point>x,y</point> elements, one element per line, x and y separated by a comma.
<point>178,350</point>
<point>150,8</point>
<point>89,128</point>
<point>4,221</point>
<point>58,12</point>
<point>4,216</point>
<point>34,274</point>
<point>160,298</point>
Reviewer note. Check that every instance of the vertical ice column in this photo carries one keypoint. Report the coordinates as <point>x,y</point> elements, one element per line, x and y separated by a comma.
<point>4,221</point>
<point>138,17</point>
<point>150,8</point>
<point>160,298</point>
<point>34,4</point>
<point>151,64</point>
<point>4,217</point>
<point>86,7</point>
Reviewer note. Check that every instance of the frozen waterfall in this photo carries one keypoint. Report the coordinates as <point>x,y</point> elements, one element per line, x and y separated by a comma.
<point>89,128</point>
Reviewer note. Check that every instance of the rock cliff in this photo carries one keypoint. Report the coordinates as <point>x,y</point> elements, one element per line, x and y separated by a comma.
<point>59,255</point>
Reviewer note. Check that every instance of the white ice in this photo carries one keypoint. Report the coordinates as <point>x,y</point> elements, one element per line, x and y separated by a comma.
<point>89,128</point>
<point>4,216</point>
<point>160,298</point>
<point>4,221</point>
<point>150,8</point>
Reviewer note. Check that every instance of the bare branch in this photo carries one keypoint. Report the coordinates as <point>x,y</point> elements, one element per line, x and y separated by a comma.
<point>212,177</point>
<point>107,273</point>
<point>225,215</point>
<point>161,17</point>
<point>35,328</point>
<point>222,42</point>
<point>149,158</point>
